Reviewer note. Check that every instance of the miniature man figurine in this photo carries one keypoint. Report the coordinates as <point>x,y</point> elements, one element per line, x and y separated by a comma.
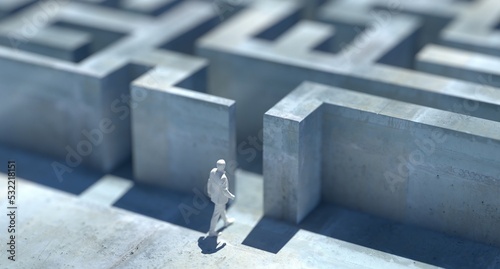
<point>219,194</point>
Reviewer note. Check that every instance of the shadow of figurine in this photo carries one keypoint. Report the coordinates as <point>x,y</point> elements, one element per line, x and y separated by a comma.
<point>209,245</point>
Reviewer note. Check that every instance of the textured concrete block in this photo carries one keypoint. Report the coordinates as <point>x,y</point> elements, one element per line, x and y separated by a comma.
<point>75,101</point>
<point>460,64</point>
<point>292,162</point>
<point>53,41</point>
<point>268,46</point>
<point>152,7</point>
<point>359,20</point>
<point>54,116</point>
<point>261,39</point>
<point>398,160</point>
<point>8,7</point>
<point>178,134</point>
<point>475,28</point>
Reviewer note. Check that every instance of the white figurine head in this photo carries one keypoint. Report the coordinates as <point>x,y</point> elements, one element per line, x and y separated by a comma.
<point>221,165</point>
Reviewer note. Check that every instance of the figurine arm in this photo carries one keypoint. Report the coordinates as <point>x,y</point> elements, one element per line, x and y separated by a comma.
<point>226,192</point>
<point>209,189</point>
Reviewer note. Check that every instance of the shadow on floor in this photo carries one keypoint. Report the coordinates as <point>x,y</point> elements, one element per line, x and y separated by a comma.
<point>192,210</point>
<point>399,239</point>
<point>209,245</point>
<point>270,235</point>
<point>40,169</point>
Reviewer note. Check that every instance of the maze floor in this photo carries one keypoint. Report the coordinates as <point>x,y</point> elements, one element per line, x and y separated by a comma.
<point>113,222</point>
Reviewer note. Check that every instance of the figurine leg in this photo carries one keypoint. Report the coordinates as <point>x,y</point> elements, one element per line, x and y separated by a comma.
<point>227,221</point>
<point>218,209</point>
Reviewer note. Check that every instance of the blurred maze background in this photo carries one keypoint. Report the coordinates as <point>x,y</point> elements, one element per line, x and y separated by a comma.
<point>357,134</point>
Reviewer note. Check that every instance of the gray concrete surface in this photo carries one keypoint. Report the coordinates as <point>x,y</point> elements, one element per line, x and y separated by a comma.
<point>232,48</point>
<point>467,32</point>
<point>8,7</point>
<point>64,67</point>
<point>397,160</point>
<point>460,64</point>
<point>178,134</point>
<point>68,99</point>
<point>59,230</point>
<point>329,236</point>
<point>378,62</point>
